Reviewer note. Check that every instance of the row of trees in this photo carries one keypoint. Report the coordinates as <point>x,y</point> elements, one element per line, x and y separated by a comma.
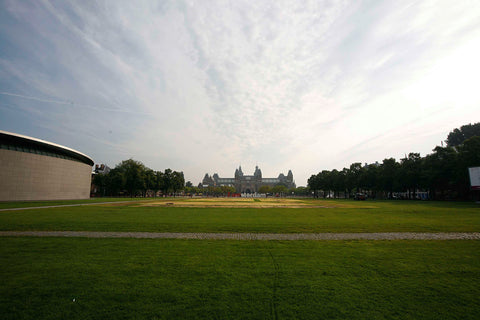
<point>133,178</point>
<point>223,191</point>
<point>280,189</point>
<point>443,174</point>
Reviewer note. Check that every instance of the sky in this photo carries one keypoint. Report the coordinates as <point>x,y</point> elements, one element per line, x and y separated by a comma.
<point>206,86</point>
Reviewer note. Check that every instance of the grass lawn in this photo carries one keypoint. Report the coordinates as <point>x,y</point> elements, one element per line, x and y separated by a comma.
<point>328,216</point>
<point>78,278</point>
<point>26,204</point>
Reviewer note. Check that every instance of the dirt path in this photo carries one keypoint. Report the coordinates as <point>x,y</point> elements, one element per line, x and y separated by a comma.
<point>251,236</point>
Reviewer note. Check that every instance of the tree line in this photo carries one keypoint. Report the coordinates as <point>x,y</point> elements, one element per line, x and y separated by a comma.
<point>133,178</point>
<point>223,191</point>
<point>218,191</point>
<point>443,174</point>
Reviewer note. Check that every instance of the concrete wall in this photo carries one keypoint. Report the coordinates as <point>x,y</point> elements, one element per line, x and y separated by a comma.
<point>27,176</point>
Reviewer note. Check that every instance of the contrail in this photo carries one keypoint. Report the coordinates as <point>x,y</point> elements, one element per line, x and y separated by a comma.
<point>71,103</point>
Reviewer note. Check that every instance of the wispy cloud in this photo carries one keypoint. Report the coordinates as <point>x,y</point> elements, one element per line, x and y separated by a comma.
<point>205,86</point>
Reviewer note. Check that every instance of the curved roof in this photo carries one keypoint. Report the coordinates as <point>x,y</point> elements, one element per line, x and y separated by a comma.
<point>15,139</point>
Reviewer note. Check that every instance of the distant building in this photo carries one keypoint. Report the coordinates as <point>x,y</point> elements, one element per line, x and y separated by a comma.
<point>101,169</point>
<point>249,184</point>
<point>33,169</point>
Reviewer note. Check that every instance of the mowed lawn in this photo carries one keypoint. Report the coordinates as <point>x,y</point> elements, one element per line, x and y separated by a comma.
<point>336,216</point>
<point>26,204</point>
<point>79,278</point>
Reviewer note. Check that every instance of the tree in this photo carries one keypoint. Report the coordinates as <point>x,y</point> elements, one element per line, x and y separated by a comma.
<point>177,181</point>
<point>264,189</point>
<point>300,191</point>
<point>410,173</point>
<point>150,181</point>
<point>440,170</point>
<point>115,182</point>
<point>338,182</point>
<point>133,172</point>
<point>279,189</point>
<point>458,136</point>
<point>388,175</point>
<point>327,178</point>
<point>100,181</point>
<point>159,181</point>
<point>352,178</point>
<point>444,173</point>
<point>470,152</point>
<point>167,181</point>
<point>469,156</point>
<point>313,184</point>
<point>368,179</point>
<point>226,190</point>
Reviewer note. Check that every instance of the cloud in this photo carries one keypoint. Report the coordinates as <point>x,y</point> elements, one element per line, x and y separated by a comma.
<point>205,86</point>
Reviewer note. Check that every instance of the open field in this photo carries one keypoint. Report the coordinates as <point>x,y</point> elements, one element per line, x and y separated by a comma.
<point>92,278</point>
<point>26,204</point>
<point>316,216</point>
<point>52,278</point>
<point>252,203</point>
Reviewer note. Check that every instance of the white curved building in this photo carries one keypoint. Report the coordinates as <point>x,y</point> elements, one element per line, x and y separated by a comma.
<point>33,169</point>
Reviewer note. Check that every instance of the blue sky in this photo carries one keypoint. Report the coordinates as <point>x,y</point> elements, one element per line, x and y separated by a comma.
<point>204,86</point>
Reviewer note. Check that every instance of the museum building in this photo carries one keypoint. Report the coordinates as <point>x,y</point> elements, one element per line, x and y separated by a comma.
<point>248,184</point>
<point>33,169</point>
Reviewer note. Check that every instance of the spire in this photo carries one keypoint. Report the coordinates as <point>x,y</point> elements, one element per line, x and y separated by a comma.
<point>258,173</point>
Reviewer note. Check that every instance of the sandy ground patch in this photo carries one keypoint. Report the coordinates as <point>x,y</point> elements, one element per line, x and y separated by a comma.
<point>248,203</point>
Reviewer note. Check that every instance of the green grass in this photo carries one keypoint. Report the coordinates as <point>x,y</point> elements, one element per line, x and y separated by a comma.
<point>369,216</point>
<point>189,279</point>
<point>27,204</point>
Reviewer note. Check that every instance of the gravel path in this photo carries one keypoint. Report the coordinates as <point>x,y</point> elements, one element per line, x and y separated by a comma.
<point>251,236</point>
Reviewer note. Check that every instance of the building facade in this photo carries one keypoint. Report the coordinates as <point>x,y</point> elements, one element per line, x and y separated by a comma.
<point>248,183</point>
<point>33,169</point>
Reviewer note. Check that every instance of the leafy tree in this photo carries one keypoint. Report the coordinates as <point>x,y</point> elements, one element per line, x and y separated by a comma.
<point>470,152</point>
<point>227,189</point>
<point>411,168</point>
<point>133,172</point>
<point>167,180</point>
<point>469,156</point>
<point>100,181</point>
<point>387,176</point>
<point>177,181</point>
<point>159,182</point>
<point>150,181</point>
<point>440,171</point>
<point>279,189</point>
<point>353,177</point>
<point>264,189</point>
<point>217,191</point>
<point>369,179</point>
<point>313,184</point>
<point>115,182</point>
<point>338,182</point>
<point>458,136</point>
<point>300,191</point>
<point>134,178</point>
